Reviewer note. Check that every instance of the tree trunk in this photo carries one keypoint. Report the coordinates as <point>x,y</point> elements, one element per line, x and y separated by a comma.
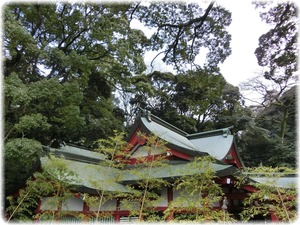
<point>283,124</point>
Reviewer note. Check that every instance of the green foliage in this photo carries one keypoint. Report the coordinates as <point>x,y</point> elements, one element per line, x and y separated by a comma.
<point>16,93</point>
<point>278,48</point>
<point>193,101</point>
<point>229,110</point>
<point>269,196</point>
<point>21,158</point>
<point>196,91</point>
<point>47,110</point>
<point>55,180</point>
<point>32,124</point>
<point>113,149</point>
<point>271,139</point>
<point>146,196</point>
<point>61,71</point>
<point>198,193</point>
<point>62,42</point>
<point>277,55</point>
<point>20,209</point>
<point>69,42</point>
<point>280,116</point>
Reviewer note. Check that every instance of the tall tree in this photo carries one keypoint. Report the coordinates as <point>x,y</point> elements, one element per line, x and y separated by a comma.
<point>277,55</point>
<point>43,110</point>
<point>277,51</point>
<point>278,48</point>
<point>94,45</point>
<point>280,116</point>
<point>66,40</point>
<point>229,110</point>
<point>193,100</point>
<point>270,139</point>
<point>63,42</point>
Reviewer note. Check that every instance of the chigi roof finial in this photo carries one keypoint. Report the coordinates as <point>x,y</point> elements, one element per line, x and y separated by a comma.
<point>144,112</point>
<point>139,111</point>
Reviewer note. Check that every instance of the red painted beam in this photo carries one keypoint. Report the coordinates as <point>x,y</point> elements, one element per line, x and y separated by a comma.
<point>180,154</point>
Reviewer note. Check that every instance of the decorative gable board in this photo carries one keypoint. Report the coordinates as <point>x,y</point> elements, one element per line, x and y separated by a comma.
<point>135,141</point>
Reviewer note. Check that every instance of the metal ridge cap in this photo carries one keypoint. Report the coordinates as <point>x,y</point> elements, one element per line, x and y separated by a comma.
<point>166,124</point>
<point>223,131</point>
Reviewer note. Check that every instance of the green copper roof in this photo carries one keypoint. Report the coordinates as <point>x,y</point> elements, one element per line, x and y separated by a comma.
<point>168,135</point>
<point>216,143</point>
<point>93,176</point>
<point>78,154</point>
<point>174,171</point>
<point>282,182</point>
<point>100,177</point>
<point>216,146</point>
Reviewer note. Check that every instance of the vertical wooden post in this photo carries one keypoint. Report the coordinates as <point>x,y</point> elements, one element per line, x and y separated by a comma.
<point>170,199</point>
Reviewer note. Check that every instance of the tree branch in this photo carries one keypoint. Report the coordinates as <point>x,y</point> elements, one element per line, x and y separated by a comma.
<point>133,11</point>
<point>180,29</point>
<point>151,64</point>
<point>192,21</point>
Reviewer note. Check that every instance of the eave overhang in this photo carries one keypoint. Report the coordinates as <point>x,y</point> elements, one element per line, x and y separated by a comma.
<point>169,172</point>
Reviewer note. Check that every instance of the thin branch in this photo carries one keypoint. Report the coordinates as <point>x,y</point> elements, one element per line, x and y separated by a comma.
<point>192,21</point>
<point>133,11</point>
<point>9,133</point>
<point>201,23</point>
<point>181,28</point>
<point>18,206</point>
<point>151,64</point>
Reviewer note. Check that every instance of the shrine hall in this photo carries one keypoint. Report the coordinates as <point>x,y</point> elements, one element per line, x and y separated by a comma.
<point>181,149</point>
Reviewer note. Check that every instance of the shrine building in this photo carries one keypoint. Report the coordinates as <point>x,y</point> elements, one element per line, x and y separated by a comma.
<point>182,148</point>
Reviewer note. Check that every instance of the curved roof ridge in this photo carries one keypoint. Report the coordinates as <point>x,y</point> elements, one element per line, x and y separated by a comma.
<point>170,126</point>
<point>149,116</point>
<point>223,131</point>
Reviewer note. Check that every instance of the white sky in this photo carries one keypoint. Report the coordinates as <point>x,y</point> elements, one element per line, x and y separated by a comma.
<point>246,28</point>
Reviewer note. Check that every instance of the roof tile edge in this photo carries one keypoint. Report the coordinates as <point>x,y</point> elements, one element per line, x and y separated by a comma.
<point>150,117</point>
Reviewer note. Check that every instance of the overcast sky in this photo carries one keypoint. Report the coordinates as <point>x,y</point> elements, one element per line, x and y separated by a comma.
<point>246,28</point>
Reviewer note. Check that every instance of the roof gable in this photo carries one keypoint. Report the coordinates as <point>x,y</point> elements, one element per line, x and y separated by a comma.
<point>77,153</point>
<point>216,143</point>
<point>216,146</point>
